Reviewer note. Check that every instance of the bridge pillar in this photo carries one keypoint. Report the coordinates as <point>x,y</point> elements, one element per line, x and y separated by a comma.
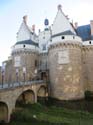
<point>35,96</point>
<point>11,107</point>
<point>9,114</point>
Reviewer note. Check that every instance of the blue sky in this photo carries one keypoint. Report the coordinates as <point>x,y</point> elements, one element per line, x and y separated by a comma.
<point>12,11</point>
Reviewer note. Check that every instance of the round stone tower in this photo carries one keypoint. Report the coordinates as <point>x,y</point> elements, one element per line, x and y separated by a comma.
<point>87,52</point>
<point>25,54</point>
<point>65,64</point>
<point>25,59</point>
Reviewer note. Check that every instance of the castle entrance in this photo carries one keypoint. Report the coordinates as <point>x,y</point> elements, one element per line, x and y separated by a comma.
<point>44,76</point>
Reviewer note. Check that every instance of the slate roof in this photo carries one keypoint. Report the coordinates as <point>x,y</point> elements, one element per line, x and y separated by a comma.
<point>61,23</point>
<point>84,32</point>
<point>29,42</point>
<point>68,32</point>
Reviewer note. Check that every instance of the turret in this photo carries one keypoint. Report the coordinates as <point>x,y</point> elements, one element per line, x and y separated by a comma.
<point>25,19</point>
<point>46,23</point>
<point>65,64</point>
<point>25,52</point>
<point>91,26</point>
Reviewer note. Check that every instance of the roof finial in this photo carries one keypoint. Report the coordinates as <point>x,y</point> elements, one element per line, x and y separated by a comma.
<point>59,7</point>
<point>25,19</point>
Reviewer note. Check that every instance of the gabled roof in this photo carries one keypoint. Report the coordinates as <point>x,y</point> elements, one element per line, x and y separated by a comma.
<point>84,32</point>
<point>61,23</point>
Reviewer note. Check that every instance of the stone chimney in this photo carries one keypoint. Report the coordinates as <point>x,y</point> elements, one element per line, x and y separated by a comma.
<point>59,7</point>
<point>67,17</point>
<point>39,31</point>
<point>33,28</point>
<point>91,26</point>
<point>25,19</point>
<point>76,25</point>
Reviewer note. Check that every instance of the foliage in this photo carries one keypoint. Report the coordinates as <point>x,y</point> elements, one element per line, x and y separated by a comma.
<point>37,114</point>
<point>88,95</point>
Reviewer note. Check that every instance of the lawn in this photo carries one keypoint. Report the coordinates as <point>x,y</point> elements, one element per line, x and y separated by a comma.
<point>37,114</point>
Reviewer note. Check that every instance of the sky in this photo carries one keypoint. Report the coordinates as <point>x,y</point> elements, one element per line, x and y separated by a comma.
<point>12,11</point>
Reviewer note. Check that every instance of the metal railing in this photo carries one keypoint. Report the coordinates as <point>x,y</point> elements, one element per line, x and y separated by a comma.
<point>17,84</point>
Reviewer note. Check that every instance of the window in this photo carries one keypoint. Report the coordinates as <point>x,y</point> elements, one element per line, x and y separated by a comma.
<point>50,40</point>
<point>43,37</point>
<point>63,37</point>
<point>36,63</point>
<point>89,42</point>
<point>40,63</point>
<point>73,37</point>
<point>43,47</point>
<point>17,61</point>
<point>24,46</point>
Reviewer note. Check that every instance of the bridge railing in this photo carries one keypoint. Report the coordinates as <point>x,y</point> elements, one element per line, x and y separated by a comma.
<point>17,84</point>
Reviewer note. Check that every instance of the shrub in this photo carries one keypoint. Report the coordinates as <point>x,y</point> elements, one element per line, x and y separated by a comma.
<point>88,95</point>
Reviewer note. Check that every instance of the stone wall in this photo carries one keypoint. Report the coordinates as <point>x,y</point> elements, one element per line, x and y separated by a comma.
<point>8,72</point>
<point>29,60</point>
<point>87,60</point>
<point>43,66</point>
<point>43,61</point>
<point>66,82</point>
<point>0,76</point>
<point>7,75</point>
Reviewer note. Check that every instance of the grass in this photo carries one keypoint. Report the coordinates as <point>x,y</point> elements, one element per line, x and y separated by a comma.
<point>37,114</point>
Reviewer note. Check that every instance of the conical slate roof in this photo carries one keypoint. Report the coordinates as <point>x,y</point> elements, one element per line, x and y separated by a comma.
<point>61,24</point>
<point>25,34</point>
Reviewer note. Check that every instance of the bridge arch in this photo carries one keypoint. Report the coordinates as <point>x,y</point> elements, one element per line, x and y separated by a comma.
<point>27,96</point>
<point>3,112</point>
<point>41,91</point>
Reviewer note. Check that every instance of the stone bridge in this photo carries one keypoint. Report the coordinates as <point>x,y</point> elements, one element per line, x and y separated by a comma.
<point>27,92</point>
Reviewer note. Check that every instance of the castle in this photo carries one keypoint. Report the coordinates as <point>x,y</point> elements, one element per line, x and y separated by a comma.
<point>62,55</point>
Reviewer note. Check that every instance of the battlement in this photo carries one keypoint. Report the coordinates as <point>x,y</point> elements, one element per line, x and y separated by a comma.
<point>63,38</point>
<point>88,43</point>
<point>24,47</point>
